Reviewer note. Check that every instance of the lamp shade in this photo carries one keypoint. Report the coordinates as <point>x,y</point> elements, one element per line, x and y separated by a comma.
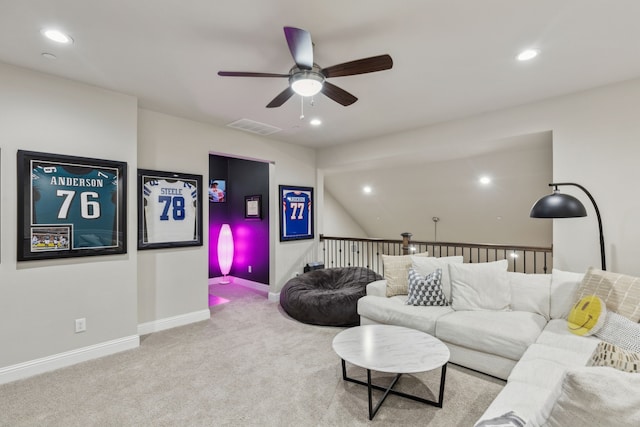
<point>558,205</point>
<point>225,249</point>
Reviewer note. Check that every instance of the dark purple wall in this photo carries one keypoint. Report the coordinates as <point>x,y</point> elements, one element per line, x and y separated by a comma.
<point>250,236</point>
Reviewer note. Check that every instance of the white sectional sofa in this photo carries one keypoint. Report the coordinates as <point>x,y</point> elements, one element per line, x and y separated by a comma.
<point>528,343</point>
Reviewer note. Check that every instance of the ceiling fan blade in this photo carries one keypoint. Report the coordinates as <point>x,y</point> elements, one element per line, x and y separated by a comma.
<point>300,46</point>
<point>249,74</point>
<point>359,66</point>
<point>341,96</point>
<point>281,98</point>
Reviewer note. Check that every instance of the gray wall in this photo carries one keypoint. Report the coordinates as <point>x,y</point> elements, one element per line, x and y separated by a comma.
<point>40,300</point>
<point>119,295</point>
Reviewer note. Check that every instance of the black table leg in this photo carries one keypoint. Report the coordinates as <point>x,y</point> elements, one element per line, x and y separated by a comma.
<point>389,390</point>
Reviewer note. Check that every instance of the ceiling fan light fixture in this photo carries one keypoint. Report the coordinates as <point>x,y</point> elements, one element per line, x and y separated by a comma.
<point>306,83</point>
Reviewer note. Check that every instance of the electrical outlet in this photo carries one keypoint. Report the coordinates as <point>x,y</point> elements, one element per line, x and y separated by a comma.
<point>249,269</point>
<point>81,325</point>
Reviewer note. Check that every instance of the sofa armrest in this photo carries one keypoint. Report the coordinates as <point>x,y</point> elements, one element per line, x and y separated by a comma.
<point>377,288</point>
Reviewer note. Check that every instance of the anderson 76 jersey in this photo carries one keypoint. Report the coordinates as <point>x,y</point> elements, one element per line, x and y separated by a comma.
<point>170,210</point>
<point>83,198</point>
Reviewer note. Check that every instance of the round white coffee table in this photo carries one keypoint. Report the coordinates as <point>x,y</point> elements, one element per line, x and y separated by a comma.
<point>394,349</point>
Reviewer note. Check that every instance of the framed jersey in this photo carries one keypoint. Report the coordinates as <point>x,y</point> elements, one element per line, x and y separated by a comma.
<point>169,209</point>
<point>70,206</point>
<point>296,212</point>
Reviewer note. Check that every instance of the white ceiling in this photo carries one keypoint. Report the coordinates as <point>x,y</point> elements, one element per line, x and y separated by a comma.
<point>452,58</point>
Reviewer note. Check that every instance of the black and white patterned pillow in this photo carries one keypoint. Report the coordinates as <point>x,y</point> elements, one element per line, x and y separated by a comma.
<point>620,331</point>
<point>426,291</point>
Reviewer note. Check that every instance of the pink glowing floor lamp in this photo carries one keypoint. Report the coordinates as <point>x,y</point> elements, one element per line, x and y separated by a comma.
<point>225,252</point>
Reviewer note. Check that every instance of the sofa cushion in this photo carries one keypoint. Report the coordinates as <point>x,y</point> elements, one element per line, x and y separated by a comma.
<point>526,400</point>
<point>561,356</point>
<point>534,383</point>
<point>550,360</point>
<point>394,311</point>
<point>396,272</point>
<point>377,288</point>
<point>564,285</point>
<point>427,265</point>
<point>530,292</point>
<point>610,355</point>
<point>482,286</point>
<point>556,334</point>
<point>508,419</point>
<point>503,333</point>
<point>621,293</point>
<point>597,397</point>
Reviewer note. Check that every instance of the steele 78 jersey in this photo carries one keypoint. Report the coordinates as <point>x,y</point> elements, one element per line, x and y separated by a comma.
<point>170,210</point>
<point>81,197</point>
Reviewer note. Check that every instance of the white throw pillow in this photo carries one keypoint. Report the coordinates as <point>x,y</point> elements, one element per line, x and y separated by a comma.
<point>564,287</point>
<point>425,266</point>
<point>482,286</point>
<point>530,292</point>
<point>595,396</point>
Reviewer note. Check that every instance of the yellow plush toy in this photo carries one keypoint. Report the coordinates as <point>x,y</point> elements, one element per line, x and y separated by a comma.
<point>587,316</point>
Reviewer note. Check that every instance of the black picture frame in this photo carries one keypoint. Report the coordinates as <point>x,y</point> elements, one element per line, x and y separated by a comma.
<point>296,212</point>
<point>70,206</point>
<point>169,209</point>
<point>253,207</point>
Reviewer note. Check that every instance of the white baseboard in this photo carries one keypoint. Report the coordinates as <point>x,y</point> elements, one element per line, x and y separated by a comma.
<point>243,282</point>
<point>68,358</point>
<point>251,285</point>
<point>274,296</point>
<point>172,322</point>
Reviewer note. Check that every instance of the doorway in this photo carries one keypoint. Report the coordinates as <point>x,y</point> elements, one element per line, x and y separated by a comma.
<point>241,200</point>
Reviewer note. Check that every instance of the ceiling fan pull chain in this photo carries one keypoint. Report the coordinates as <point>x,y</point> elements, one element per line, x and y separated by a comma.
<point>301,107</point>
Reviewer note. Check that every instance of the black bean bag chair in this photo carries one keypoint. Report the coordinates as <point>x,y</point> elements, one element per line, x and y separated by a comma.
<point>327,297</point>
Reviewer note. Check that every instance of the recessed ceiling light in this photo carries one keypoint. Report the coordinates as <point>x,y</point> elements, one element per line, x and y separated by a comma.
<point>485,180</point>
<point>315,122</point>
<point>367,189</point>
<point>528,54</point>
<point>57,36</point>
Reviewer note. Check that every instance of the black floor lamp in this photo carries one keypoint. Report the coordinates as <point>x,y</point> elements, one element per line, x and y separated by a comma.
<point>558,205</point>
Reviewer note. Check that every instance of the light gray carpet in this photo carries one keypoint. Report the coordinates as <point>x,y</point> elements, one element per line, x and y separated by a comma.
<point>249,365</point>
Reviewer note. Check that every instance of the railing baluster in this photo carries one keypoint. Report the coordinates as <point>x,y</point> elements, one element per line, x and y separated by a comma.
<point>345,251</point>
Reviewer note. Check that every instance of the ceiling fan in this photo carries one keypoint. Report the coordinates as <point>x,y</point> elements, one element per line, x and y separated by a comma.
<point>307,78</point>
